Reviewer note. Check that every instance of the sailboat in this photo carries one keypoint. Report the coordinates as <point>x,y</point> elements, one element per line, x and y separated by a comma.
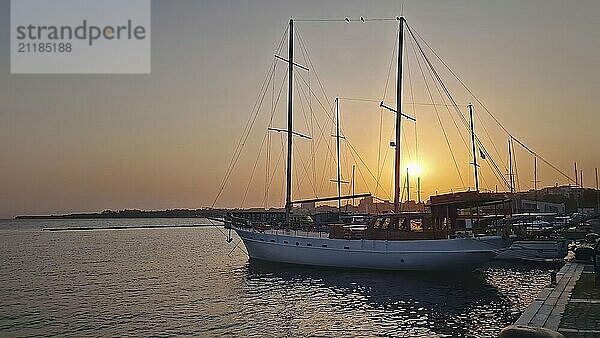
<point>393,241</point>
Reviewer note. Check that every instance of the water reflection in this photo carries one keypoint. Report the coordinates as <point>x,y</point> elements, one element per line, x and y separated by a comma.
<point>401,304</point>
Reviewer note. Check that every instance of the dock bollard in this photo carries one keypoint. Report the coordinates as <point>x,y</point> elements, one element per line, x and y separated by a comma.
<point>553,277</point>
<point>597,264</point>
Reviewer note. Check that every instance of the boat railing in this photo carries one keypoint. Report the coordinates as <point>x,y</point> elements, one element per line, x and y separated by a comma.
<point>313,232</point>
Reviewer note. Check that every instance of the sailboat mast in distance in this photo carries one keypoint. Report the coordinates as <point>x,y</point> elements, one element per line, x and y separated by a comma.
<point>288,197</point>
<point>397,179</point>
<point>470,106</point>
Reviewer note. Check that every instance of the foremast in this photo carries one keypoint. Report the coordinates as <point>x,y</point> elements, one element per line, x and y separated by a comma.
<point>398,148</point>
<point>288,196</point>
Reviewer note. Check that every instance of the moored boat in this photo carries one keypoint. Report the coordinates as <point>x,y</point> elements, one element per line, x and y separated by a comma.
<point>393,241</point>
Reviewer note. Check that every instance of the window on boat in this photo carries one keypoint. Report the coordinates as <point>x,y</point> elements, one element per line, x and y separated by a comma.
<point>285,242</point>
<point>308,244</point>
<point>416,225</point>
<point>346,247</point>
<point>386,223</point>
<point>297,243</point>
<point>324,245</point>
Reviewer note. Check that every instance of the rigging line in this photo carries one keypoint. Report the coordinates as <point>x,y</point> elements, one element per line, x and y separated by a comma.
<point>217,227</point>
<point>323,138</point>
<point>254,168</point>
<point>313,183</point>
<point>345,20</point>
<point>430,66</point>
<point>267,166</point>
<point>514,155</point>
<point>465,123</point>
<point>346,167</point>
<point>347,142</point>
<point>248,125</point>
<point>325,109</point>
<point>283,178</point>
<point>454,74</point>
<point>385,154</point>
<point>412,98</point>
<point>440,121</point>
<point>268,160</point>
<point>261,146</point>
<point>236,246</point>
<point>360,172</point>
<point>366,167</point>
<point>383,96</point>
<point>531,151</point>
<point>321,129</point>
<point>312,66</point>
<point>279,157</point>
<point>358,99</point>
<point>312,141</point>
<point>244,136</point>
<point>405,102</point>
<point>306,174</point>
<point>271,123</point>
<point>301,178</point>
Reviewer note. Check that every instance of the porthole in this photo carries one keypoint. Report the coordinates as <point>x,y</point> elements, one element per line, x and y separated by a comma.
<point>346,247</point>
<point>308,244</point>
<point>324,245</point>
<point>273,240</point>
<point>285,242</point>
<point>297,243</point>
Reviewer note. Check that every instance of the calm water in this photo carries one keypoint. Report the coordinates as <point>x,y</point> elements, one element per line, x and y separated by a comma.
<point>181,281</point>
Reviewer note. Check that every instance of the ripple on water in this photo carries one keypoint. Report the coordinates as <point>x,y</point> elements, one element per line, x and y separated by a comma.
<point>181,281</point>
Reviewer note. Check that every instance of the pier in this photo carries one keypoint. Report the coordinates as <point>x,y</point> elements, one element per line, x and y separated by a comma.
<point>570,306</point>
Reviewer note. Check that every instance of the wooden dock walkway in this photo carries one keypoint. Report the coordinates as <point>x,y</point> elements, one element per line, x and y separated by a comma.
<point>574,313</point>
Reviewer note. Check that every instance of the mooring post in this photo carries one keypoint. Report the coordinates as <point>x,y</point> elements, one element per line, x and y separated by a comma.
<point>597,264</point>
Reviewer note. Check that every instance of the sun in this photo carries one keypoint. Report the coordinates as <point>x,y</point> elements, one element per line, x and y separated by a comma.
<point>414,169</point>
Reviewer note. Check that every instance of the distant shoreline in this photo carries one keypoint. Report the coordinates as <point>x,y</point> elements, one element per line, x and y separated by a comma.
<point>121,214</point>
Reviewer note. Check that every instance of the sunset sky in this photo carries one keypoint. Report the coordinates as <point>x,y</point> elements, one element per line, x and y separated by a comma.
<point>73,143</point>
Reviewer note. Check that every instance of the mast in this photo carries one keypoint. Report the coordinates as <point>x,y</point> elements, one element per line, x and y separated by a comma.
<point>470,106</point>
<point>407,186</point>
<point>337,141</point>
<point>288,196</point>
<point>535,180</point>
<point>354,193</point>
<point>397,178</point>
<point>510,166</point>
<point>597,191</point>
<point>419,189</point>
<point>576,180</point>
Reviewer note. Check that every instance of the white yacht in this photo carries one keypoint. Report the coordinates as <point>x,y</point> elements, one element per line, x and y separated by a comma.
<point>393,241</point>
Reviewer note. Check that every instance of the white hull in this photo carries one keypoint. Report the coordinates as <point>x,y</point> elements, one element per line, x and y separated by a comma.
<point>423,255</point>
<point>535,250</point>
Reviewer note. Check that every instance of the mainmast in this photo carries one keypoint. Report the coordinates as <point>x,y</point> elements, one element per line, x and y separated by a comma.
<point>288,198</point>
<point>339,173</point>
<point>470,106</point>
<point>397,178</point>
